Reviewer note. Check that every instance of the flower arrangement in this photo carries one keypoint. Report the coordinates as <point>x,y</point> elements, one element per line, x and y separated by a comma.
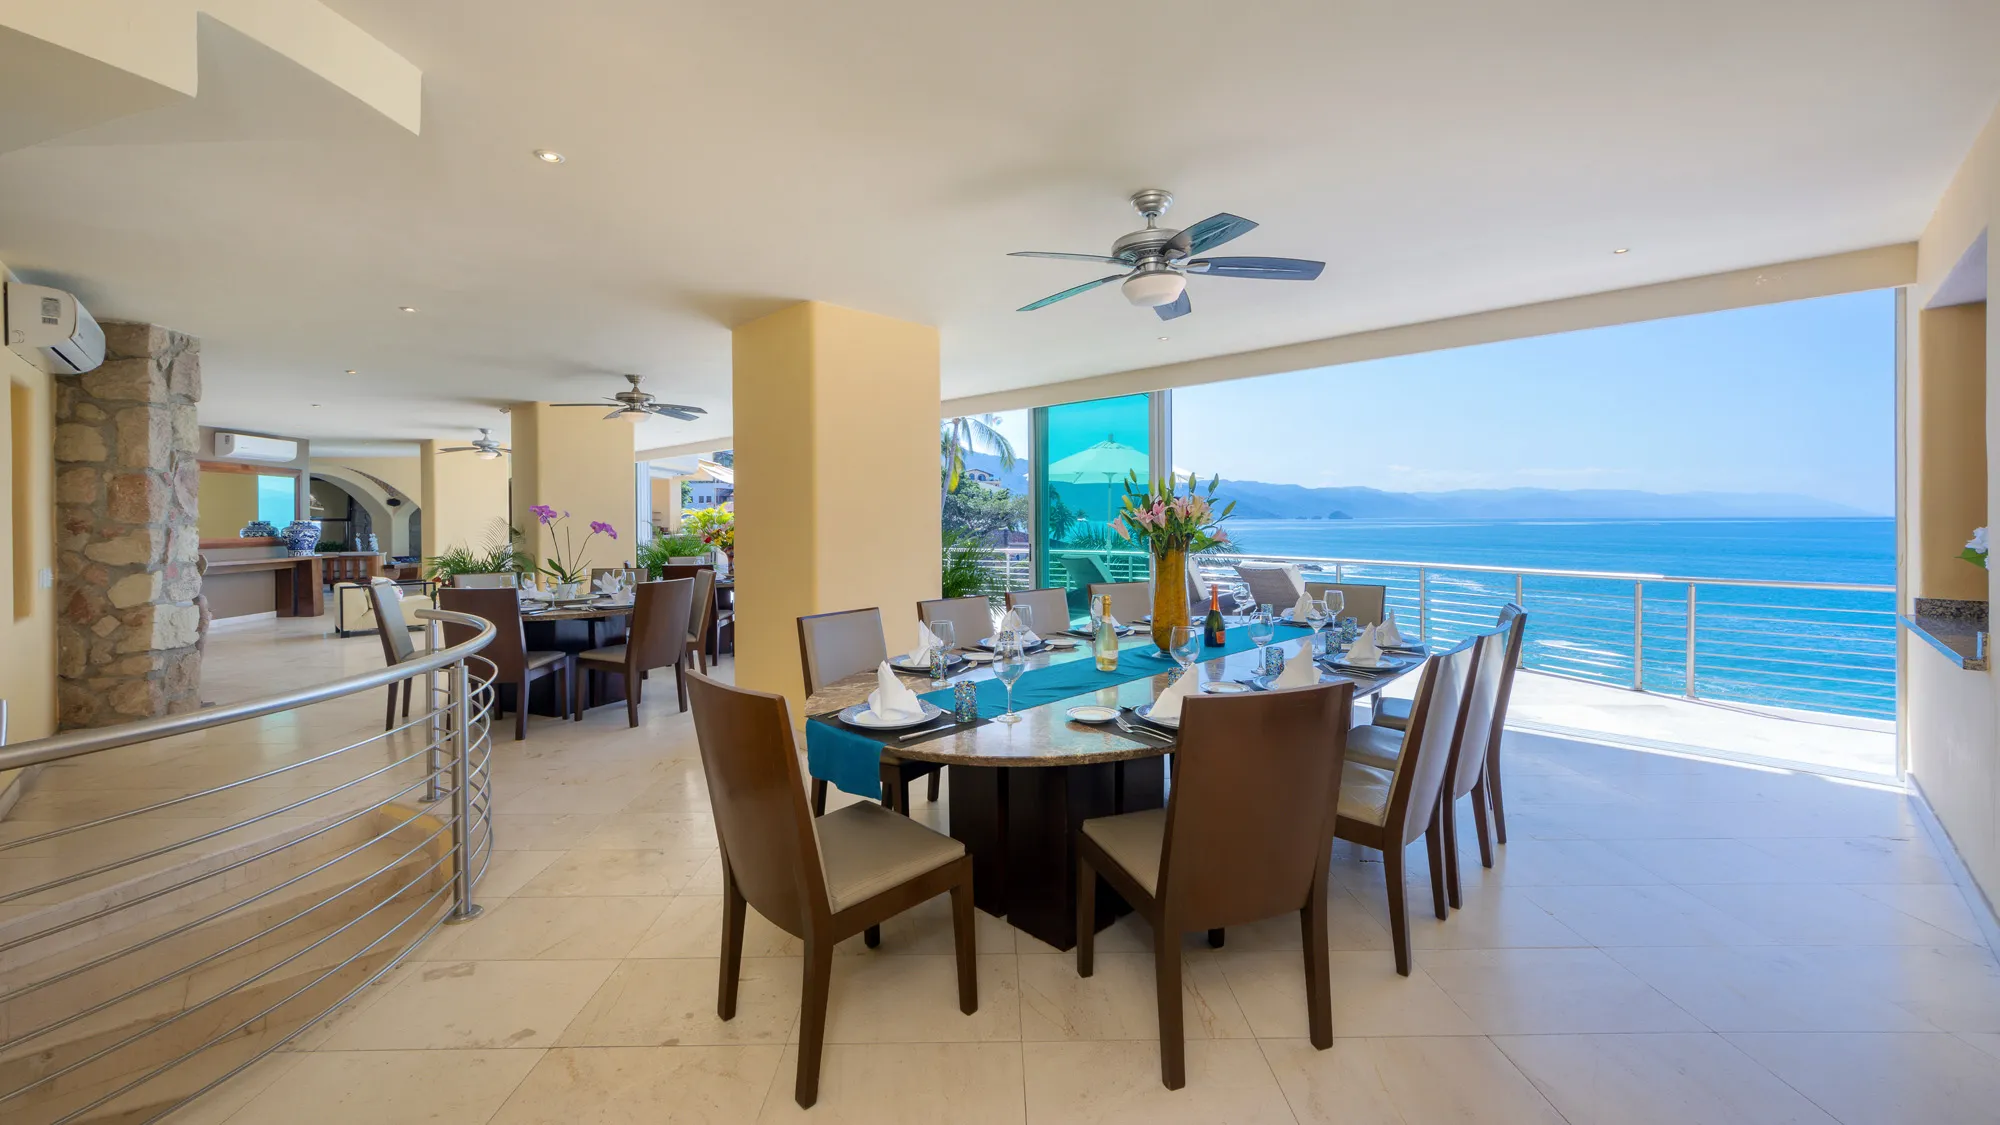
<point>566,563</point>
<point>1163,519</point>
<point>1975,550</point>
<point>716,526</point>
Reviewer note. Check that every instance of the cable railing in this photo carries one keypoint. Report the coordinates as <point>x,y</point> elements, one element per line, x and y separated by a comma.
<point>149,953</point>
<point>1827,647</point>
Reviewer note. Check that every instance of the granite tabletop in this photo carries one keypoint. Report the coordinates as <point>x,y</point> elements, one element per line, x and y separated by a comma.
<point>594,611</point>
<point>1045,736</point>
<point>1955,628</point>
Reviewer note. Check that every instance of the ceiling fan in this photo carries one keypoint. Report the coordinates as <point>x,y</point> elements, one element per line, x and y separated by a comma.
<point>1158,259</point>
<point>484,445</point>
<point>635,405</point>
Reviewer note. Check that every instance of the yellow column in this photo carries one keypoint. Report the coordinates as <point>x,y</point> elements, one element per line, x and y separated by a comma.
<point>835,417</point>
<point>579,462</point>
<point>463,497</point>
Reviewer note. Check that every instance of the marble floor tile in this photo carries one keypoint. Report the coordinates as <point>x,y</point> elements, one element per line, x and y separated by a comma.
<point>1463,1079</point>
<point>1369,998</point>
<point>1551,992</point>
<point>509,871</point>
<point>653,1003</point>
<point>915,1000</point>
<point>1937,904</point>
<point>1820,914</point>
<point>904,1084</point>
<point>605,872</point>
<point>1884,1079</point>
<point>1665,915</point>
<point>642,1086</point>
<point>1118,1083</point>
<point>389,1087</point>
<point>1771,988</point>
<point>1670,1079</point>
<point>629,831</point>
<point>1870,859</point>
<point>1120,999</point>
<point>1556,863</point>
<point>473,1004</point>
<point>548,929</point>
<point>691,926</point>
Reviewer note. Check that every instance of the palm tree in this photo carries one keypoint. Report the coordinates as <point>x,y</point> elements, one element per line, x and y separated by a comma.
<point>976,433</point>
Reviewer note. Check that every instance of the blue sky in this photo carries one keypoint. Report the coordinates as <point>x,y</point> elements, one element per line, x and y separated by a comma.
<point>1798,397</point>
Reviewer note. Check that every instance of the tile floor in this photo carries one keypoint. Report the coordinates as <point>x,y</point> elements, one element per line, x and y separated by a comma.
<point>1667,939</point>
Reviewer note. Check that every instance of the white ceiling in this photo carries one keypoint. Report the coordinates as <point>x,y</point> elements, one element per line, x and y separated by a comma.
<point>726,159</point>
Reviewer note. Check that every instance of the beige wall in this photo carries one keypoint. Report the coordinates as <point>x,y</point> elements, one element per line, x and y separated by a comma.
<point>841,396</point>
<point>464,498</point>
<point>302,463</point>
<point>579,462</point>
<point>27,513</point>
<point>1949,722</point>
<point>227,502</point>
<point>667,503</point>
<point>1947,456</point>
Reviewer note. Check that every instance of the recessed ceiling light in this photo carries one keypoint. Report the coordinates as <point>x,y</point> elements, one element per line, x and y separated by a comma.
<point>1623,250</point>
<point>351,371</point>
<point>407,308</point>
<point>314,405</point>
<point>1163,337</point>
<point>548,156</point>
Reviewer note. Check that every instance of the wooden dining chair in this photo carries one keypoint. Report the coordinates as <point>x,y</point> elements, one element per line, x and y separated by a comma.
<point>485,581</point>
<point>386,598</point>
<point>1365,602</point>
<point>656,638</point>
<point>834,646</point>
<point>512,662</point>
<point>821,879</point>
<point>971,618</point>
<point>1387,810</point>
<point>1230,848</point>
<point>1395,713</point>
<point>1050,607</point>
<point>701,614</point>
<point>1129,600</point>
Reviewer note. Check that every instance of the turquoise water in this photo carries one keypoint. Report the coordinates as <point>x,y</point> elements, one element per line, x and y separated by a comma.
<point>1809,649</point>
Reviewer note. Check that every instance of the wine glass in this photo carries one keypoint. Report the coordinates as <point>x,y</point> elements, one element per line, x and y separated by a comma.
<point>1335,603</point>
<point>1096,616</point>
<point>940,656</point>
<point>1009,663</point>
<point>1261,629</point>
<point>1246,602</point>
<point>1316,618</point>
<point>1184,644</point>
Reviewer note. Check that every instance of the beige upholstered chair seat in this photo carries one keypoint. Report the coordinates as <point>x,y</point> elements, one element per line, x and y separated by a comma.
<point>609,654</point>
<point>1364,790</point>
<point>1375,746</point>
<point>865,849</point>
<point>544,659</point>
<point>1133,841</point>
<point>1392,713</point>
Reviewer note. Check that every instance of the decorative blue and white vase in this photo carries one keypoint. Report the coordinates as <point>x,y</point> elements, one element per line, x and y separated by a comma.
<point>301,537</point>
<point>259,529</point>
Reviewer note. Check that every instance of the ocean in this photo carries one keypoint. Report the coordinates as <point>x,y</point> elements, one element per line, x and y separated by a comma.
<point>1816,650</point>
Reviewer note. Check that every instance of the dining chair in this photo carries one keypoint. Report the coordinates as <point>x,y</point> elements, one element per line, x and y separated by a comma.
<point>485,581</point>
<point>512,662</point>
<point>834,646</point>
<point>1387,810</point>
<point>1466,776</point>
<point>1230,848</point>
<point>1277,585</point>
<point>1395,713</point>
<point>656,638</point>
<point>685,570</point>
<point>818,878</point>
<point>971,618</point>
<point>1366,602</point>
<point>1050,607</point>
<point>387,600</point>
<point>1129,600</point>
<point>701,613</point>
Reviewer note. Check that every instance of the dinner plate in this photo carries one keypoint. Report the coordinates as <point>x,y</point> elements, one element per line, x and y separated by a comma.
<point>859,716</point>
<point>1092,714</point>
<point>987,644</point>
<point>1382,669</point>
<point>1063,645</point>
<point>980,658</point>
<point>1223,687</point>
<point>1144,712</point>
<point>954,661</point>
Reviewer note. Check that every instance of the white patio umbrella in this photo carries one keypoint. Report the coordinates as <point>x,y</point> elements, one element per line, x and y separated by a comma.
<point>1107,463</point>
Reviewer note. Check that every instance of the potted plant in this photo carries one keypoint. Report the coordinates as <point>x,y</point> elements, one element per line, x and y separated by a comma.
<point>1169,524</point>
<point>717,528</point>
<point>566,566</point>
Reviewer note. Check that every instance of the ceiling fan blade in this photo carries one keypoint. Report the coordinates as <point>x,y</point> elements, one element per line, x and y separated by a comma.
<point>1071,292</point>
<point>663,406</point>
<point>1181,307</point>
<point>620,412</point>
<point>1109,261</point>
<point>1214,231</point>
<point>504,449</point>
<point>459,449</point>
<point>676,415</point>
<point>578,404</point>
<point>1272,269</point>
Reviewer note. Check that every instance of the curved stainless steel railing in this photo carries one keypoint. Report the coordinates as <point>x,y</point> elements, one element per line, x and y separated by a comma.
<point>148,954</point>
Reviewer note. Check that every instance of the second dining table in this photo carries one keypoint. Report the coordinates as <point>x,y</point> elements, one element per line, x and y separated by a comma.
<point>1019,792</point>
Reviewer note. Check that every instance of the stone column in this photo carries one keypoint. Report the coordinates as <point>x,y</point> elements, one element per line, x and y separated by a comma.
<point>127,481</point>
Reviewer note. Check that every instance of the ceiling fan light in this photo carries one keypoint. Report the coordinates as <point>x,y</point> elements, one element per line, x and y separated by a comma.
<point>489,455</point>
<point>1150,290</point>
<point>634,416</point>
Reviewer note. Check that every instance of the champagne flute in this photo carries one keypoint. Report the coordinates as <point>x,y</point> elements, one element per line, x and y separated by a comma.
<point>940,654</point>
<point>1008,665</point>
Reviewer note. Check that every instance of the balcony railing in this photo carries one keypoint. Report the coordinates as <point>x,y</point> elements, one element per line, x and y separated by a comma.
<point>1810,646</point>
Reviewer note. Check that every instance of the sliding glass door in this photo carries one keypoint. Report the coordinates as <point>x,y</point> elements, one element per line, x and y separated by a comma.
<point>1083,452</point>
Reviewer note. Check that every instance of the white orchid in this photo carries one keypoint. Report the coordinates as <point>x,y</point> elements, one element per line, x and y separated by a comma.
<point>1975,550</point>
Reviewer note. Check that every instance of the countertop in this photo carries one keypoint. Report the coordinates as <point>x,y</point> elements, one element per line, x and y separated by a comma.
<point>1955,628</point>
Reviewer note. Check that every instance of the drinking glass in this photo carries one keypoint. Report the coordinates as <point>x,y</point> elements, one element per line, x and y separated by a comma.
<point>940,657</point>
<point>1009,662</point>
<point>1316,617</point>
<point>1026,616</point>
<point>1261,629</point>
<point>1096,616</point>
<point>1184,644</point>
<point>1246,602</point>
<point>1335,602</point>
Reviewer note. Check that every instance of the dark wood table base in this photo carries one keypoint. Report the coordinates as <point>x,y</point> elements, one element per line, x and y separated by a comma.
<point>1020,825</point>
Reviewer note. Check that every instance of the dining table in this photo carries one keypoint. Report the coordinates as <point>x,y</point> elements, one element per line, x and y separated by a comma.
<point>573,628</point>
<point>1020,791</point>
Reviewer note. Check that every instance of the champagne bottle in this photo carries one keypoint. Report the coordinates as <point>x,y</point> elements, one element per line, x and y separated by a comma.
<point>1213,634</point>
<point>1104,646</point>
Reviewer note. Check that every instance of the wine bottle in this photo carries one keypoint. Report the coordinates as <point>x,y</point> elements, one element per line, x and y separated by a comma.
<point>1213,634</point>
<point>1104,646</point>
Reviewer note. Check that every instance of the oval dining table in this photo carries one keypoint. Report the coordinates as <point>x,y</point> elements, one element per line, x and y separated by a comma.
<point>550,630</point>
<point>1019,792</point>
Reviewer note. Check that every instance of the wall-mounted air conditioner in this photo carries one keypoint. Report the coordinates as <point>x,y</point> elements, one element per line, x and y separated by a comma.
<point>52,330</point>
<point>249,447</point>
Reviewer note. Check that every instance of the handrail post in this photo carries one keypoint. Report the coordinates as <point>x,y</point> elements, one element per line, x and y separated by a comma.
<point>1638,636</point>
<point>432,762</point>
<point>1519,599</point>
<point>1688,688</point>
<point>463,908</point>
<point>1424,605</point>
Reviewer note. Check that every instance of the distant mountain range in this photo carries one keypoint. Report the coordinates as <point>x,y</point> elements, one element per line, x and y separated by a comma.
<point>1259,500</point>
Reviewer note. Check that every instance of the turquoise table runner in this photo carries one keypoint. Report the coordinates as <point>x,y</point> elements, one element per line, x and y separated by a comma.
<point>850,759</point>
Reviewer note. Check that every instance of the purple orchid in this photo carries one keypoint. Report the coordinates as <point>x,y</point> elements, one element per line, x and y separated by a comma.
<point>544,514</point>
<point>599,527</point>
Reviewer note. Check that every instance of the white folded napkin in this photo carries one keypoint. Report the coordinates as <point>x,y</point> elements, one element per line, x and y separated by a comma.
<point>1012,620</point>
<point>891,700</point>
<point>1303,609</point>
<point>926,641</point>
<point>1300,671</point>
<point>1167,705</point>
<point>1387,635</point>
<point>1364,651</point>
<point>609,582</point>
